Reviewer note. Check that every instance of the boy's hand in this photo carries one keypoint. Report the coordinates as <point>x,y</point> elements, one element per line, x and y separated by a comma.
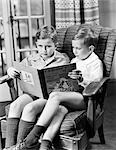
<point>76,74</point>
<point>13,73</point>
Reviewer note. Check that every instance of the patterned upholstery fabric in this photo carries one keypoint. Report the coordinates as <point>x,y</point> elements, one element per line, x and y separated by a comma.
<point>70,12</point>
<point>74,122</point>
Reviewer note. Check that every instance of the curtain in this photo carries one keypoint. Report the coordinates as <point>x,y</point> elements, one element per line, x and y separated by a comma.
<point>70,12</point>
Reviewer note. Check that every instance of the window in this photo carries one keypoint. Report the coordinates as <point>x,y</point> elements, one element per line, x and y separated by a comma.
<point>19,22</point>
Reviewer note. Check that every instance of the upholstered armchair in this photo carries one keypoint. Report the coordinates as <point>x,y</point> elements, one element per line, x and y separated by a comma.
<point>79,126</point>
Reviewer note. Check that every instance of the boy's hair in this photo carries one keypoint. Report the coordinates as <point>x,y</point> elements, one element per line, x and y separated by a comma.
<point>47,32</point>
<point>86,33</point>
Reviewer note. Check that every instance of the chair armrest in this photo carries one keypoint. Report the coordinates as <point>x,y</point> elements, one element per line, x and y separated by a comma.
<point>10,82</point>
<point>93,87</point>
<point>4,79</point>
<point>2,118</point>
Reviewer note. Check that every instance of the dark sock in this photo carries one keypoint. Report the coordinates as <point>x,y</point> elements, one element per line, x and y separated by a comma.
<point>45,144</point>
<point>33,137</point>
<point>11,131</point>
<point>24,129</point>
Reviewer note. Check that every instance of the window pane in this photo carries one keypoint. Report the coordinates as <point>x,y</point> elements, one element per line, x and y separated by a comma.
<point>20,7</point>
<point>22,36</point>
<point>36,7</point>
<point>22,33</point>
<point>0,8</point>
<point>36,24</point>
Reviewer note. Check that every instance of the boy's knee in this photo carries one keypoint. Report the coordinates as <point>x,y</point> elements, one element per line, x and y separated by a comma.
<point>14,110</point>
<point>18,105</point>
<point>54,96</point>
<point>63,109</point>
<point>29,109</point>
<point>15,106</point>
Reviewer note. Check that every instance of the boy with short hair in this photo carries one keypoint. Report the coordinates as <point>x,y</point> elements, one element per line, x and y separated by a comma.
<point>47,56</point>
<point>91,68</point>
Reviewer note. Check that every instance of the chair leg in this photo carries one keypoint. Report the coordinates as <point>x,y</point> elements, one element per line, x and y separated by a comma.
<point>101,134</point>
<point>0,143</point>
<point>0,137</point>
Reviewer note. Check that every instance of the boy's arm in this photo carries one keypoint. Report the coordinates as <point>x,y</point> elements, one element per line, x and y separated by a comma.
<point>63,60</point>
<point>25,62</point>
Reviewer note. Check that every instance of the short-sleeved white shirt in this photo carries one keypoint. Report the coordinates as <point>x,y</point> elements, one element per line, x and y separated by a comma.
<point>91,68</point>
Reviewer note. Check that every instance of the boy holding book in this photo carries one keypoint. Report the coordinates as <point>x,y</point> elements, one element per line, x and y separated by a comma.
<point>47,56</point>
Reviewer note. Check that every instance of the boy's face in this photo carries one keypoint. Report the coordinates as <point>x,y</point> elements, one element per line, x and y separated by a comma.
<point>45,47</point>
<point>80,50</point>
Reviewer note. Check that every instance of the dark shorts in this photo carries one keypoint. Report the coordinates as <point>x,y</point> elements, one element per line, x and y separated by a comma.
<point>32,96</point>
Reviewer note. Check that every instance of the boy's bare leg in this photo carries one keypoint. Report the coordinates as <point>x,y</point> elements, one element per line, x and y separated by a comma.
<point>72,100</point>
<point>29,116</point>
<point>18,105</point>
<point>32,109</point>
<point>55,123</point>
<point>53,128</point>
<point>13,120</point>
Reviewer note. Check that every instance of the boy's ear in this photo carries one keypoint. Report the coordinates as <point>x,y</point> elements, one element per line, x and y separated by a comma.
<point>91,48</point>
<point>56,44</point>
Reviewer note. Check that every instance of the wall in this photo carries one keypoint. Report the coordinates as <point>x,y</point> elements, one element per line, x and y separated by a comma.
<point>107,12</point>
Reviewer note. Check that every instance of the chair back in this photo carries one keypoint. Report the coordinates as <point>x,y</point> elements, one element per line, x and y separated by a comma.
<point>105,45</point>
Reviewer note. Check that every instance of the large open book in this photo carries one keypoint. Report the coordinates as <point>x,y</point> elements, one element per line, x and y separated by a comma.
<point>41,82</point>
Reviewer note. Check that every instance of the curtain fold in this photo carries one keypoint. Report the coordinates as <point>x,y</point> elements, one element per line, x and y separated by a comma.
<point>70,12</point>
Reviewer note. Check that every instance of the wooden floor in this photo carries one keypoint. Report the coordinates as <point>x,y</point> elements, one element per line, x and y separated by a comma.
<point>109,122</point>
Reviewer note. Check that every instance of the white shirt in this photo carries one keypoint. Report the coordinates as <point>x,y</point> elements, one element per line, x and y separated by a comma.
<point>91,68</point>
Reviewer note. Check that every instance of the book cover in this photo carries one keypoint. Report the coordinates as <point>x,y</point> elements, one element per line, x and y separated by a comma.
<point>41,82</point>
<point>52,76</point>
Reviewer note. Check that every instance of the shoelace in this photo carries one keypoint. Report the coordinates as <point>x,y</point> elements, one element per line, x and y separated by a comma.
<point>19,146</point>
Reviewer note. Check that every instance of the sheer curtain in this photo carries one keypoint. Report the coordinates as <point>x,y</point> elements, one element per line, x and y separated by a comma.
<point>70,12</point>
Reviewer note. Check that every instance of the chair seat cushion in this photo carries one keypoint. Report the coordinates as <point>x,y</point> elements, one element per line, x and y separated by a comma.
<point>74,123</point>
